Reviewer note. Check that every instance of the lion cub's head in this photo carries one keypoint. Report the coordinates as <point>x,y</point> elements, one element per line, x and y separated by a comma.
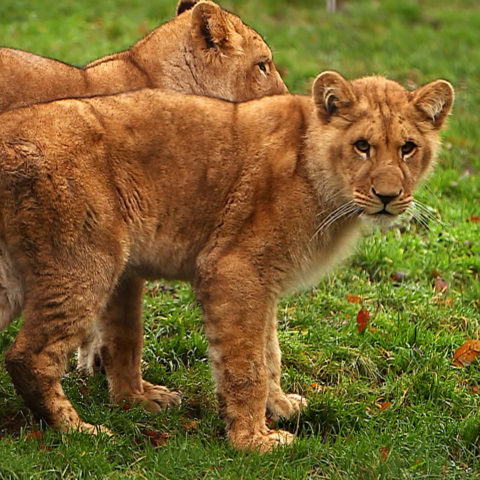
<point>227,58</point>
<point>377,140</point>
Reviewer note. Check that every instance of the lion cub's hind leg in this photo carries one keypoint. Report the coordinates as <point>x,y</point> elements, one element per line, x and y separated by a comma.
<point>279,404</point>
<point>121,342</point>
<point>60,307</point>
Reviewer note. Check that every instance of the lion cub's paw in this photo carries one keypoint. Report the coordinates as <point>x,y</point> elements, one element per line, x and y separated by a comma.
<point>285,405</point>
<point>263,441</point>
<point>92,429</point>
<point>157,397</point>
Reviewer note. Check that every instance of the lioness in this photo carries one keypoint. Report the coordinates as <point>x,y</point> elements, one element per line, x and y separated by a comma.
<point>244,200</point>
<point>204,50</point>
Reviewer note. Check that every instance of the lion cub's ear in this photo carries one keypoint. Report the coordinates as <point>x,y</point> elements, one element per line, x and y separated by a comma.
<point>434,100</point>
<point>331,92</point>
<point>210,26</point>
<point>184,5</point>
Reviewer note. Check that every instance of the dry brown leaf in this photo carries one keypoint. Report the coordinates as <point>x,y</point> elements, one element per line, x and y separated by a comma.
<point>353,298</point>
<point>398,276</point>
<point>440,285</point>
<point>467,353</point>
<point>384,453</point>
<point>192,425</point>
<point>34,435</point>
<point>156,438</point>
<point>84,391</point>
<point>446,301</point>
<point>384,406</point>
<point>316,386</point>
<point>362,319</point>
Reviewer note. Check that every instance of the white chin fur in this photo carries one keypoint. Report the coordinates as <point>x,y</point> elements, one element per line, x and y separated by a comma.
<point>379,220</point>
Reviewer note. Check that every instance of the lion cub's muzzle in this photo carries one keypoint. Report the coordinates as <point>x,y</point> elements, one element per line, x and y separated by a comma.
<point>386,194</point>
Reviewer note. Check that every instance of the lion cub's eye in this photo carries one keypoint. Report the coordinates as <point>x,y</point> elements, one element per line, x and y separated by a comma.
<point>362,146</point>
<point>263,67</point>
<point>407,148</point>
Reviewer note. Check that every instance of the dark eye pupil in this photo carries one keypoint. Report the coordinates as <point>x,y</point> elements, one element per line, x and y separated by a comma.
<point>408,148</point>
<point>362,146</point>
<point>262,66</point>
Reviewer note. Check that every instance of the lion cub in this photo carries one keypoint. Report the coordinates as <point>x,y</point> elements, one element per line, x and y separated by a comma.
<point>244,200</point>
<point>204,50</point>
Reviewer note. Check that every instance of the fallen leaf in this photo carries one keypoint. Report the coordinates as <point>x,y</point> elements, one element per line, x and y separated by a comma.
<point>384,453</point>
<point>467,353</point>
<point>384,406</point>
<point>473,218</point>
<point>398,276</point>
<point>156,438</point>
<point>193,425</point>
<point>446,301</point>
<point>353,298</point>
<point>475,389</point>
<point>316,386</point>
<point>84,391</point>
<point>126,406</point>
<point>362,319</point>
<point>440,285</point>
<point>34,435</point>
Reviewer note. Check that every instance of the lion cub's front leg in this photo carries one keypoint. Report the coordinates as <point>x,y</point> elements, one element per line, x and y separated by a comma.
<point>236,310</point>
<point>121,342</point>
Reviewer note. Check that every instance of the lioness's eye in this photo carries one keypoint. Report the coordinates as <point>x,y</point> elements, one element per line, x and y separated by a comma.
<point>407,148</point>
<point>362,146</point>
<point>262,67</point>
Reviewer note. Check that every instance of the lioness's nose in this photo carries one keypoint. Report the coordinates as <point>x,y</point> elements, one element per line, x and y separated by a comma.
<point>387,196</point>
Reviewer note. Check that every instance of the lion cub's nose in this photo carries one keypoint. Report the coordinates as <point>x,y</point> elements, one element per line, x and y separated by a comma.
<point>386,196</point>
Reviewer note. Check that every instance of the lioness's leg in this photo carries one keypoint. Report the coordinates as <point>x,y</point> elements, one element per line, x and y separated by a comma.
<point>121,343</point>
<point>236,307</point>
<point>279,404</point>
<point>57,314</point>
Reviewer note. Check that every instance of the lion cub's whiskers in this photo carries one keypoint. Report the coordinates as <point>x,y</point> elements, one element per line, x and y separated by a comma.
<point>423,214</point>
<point>345,210</point>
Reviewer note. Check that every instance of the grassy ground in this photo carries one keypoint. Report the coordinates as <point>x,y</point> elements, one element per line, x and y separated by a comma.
<point>384,403</point>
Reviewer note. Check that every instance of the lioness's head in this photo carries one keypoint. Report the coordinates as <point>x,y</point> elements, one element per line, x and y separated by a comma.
<point>222,57</point>
<point>378,139</point>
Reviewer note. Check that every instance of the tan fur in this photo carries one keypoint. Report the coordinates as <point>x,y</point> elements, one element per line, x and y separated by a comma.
<point>240,199</point>
<point>204,50</point>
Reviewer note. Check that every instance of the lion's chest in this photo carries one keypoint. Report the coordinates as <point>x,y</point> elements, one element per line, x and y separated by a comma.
<point>316,259</point>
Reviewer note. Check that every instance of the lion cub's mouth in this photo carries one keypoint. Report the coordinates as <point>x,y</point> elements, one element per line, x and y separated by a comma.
<point>385,212</point>
<point>375,205</point>
<point>382,217</point>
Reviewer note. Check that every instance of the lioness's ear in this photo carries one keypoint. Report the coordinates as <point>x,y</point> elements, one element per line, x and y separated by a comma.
<point>210,25</point>
<point>434,100</point>
<point>184,5</point>
<point>331,92</point>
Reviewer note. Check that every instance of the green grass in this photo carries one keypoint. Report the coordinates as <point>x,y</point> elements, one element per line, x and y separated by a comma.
<point>432,427</point>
